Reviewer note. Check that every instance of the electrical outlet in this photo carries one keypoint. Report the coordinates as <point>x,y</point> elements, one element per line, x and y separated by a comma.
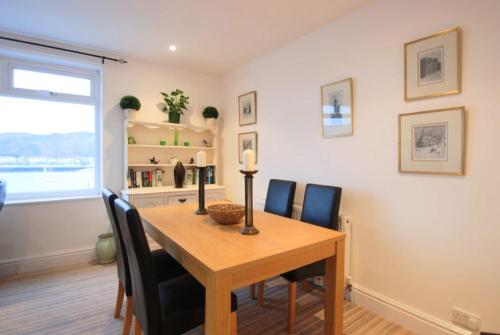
<point>465,319</point>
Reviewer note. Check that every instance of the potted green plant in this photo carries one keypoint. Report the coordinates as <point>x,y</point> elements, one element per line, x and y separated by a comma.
<point>130,105</point>
<point>210,114</point>
<point>175,103</point>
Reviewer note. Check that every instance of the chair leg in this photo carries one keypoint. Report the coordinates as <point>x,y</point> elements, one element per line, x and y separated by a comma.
<point>127,324</point>
<point>252,292</point>
<point>261,293</point>
<point>119,299</point>
<point>292,297</point>
<point>305,285</point>
<point>234,324</point>
<point>138,329</point>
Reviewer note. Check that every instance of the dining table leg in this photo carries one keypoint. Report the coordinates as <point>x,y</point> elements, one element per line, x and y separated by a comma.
<point>218,304</point>
<point>334,291</point>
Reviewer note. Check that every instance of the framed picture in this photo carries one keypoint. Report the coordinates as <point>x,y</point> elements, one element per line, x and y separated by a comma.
<point>336,108</point>
<point>247,141</point>
<point>248,108</point>
<point>432,65</point>
<point>432,142</point>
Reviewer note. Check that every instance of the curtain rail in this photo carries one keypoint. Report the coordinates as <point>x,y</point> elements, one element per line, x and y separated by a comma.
<point>102,58</point>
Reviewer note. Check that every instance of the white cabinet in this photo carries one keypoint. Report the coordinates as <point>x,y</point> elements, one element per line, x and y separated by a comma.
<point>168,195</point>
<point>182,199</point>
<point>146,202</point>
<point>148,139</point>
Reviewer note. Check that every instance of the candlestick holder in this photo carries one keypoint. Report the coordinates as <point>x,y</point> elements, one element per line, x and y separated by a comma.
<point>249,228</point>
<point>201,191</point>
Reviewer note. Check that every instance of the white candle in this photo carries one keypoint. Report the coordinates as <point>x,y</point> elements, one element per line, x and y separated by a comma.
<point>201,159</point>
<point>248,160</point>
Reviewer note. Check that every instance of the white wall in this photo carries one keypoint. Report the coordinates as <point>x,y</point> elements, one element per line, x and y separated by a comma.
<point>36,230</point>
<point>429,242</point>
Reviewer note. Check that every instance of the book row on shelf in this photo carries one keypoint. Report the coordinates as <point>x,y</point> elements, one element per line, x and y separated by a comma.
<point>156,177</point>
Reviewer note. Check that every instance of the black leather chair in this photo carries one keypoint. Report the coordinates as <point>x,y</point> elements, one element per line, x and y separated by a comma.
<point>279,201</point>
<point>171,307</point>
<point>280,195</point>
<point>321,208</point>
<point>3,192</point>
<point>166,267</point>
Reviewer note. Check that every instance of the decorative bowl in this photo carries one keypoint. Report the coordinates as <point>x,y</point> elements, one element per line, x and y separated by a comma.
<point>226,214</point>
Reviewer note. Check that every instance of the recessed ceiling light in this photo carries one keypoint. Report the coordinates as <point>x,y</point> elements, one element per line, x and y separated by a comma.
<point>172,48</point>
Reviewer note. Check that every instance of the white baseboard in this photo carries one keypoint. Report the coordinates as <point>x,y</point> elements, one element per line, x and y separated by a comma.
<point>406,316</point>
<point>47,261</point>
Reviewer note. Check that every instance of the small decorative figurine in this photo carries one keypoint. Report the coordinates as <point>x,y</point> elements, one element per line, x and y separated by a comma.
<point>153,160</point>
<point>131,140</point>
<point>191,161</point>
<point>159,175</point>
<point>207,144</point>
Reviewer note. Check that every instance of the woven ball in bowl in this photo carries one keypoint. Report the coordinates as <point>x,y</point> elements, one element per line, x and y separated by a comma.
<point>226,214</point>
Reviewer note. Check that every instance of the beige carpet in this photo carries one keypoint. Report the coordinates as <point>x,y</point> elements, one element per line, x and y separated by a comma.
<point>81,301</point>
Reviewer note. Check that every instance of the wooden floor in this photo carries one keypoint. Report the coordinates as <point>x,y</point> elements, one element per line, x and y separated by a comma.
<point>81,301</point>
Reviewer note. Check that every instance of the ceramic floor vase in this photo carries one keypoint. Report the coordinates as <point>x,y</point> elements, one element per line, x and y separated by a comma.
<point>105,249</point>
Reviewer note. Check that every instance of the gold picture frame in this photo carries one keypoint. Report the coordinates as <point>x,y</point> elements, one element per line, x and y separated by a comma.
<point>433,65</point>
<point>337,112</point>
<point>247,108</point>
<point>432,142</point>
<point>250,136</point>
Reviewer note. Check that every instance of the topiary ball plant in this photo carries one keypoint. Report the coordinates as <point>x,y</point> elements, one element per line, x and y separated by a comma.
<point>130,102</point>
<point>210,113</point>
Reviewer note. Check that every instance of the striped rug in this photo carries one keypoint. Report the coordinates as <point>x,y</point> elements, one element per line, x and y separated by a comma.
<point>81,301</point>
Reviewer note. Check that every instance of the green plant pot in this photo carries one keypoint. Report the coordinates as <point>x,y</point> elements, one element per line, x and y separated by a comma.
<point>105,249</point>
<point>174,117</point>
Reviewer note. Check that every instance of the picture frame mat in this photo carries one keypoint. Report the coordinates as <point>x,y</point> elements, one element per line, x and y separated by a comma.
<point>346,85</point>
<point>455,163</point>
<point>252,96</point>
<point>240,149</point>
<point>450,39</point>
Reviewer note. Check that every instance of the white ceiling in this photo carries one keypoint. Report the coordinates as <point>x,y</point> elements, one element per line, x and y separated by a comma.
<point>212,36</point>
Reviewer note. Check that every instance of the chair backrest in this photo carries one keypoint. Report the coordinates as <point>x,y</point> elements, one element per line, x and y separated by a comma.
<point>3,192</point>
<point>280,195</point>
<point>121,254</point>
<point>147,306</point>
<point>321,205</point>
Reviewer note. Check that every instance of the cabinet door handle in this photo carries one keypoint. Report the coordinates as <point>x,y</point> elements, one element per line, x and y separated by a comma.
<point>182,200</point>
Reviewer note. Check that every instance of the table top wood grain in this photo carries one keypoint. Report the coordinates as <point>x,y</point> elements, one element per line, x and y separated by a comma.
<point>219,247</point>
<point>223,259</point>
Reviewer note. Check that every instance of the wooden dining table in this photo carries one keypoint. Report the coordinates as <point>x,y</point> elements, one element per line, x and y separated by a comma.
<point>222,259</point>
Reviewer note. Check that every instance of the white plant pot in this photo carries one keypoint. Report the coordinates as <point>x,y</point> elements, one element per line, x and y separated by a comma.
<point>210,122</point>
<point>130,113</point>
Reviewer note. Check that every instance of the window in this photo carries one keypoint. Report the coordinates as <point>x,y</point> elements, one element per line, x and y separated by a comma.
<point>49,130</point>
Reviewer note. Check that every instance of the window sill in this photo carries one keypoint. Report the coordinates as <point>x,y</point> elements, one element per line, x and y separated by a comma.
<point>46,200</point>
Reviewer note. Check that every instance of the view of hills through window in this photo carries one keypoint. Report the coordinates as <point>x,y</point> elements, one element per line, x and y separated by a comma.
<point>47,146</point>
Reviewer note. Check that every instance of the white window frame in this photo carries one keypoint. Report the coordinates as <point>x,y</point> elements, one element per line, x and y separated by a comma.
<point>7,89</point>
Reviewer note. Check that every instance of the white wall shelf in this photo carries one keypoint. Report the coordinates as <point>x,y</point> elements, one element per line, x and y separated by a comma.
<point>156,146</point>
<point>169,189</point>
<point>148,136</point>
<point>163,165</point>
<point>179,126</point>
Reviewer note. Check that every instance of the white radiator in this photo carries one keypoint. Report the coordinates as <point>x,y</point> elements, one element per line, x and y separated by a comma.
<point>344,226</point>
